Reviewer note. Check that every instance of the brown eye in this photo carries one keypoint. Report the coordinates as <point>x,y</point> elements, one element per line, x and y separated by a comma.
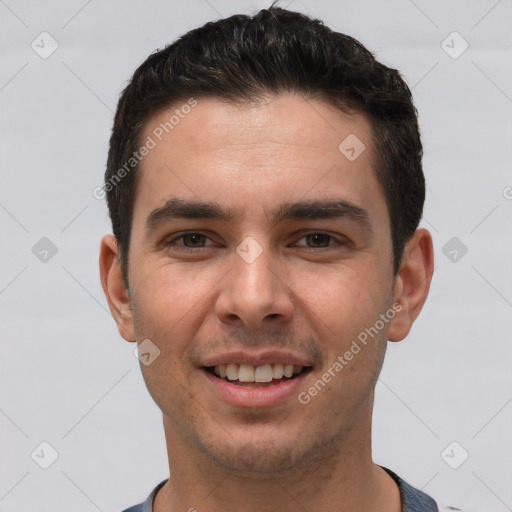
<point>193,240</point>
<point>318,240</point>
<point>189,242</point>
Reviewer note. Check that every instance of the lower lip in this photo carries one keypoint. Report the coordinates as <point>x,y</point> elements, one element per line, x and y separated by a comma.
<point>240,396</point>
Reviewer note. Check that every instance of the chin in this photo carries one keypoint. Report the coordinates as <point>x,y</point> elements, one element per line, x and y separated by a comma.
<point>262,458</point>
<point>268,454</point>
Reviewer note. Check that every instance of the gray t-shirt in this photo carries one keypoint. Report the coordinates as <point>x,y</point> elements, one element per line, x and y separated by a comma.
<point>413,500</point>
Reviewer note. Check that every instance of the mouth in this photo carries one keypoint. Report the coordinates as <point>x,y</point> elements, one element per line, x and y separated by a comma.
<point>254,387</point>
<point>257,379</point>
<point>261,376</point>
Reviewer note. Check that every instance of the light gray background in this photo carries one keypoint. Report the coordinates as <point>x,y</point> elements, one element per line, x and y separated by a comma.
<point>67,377</point>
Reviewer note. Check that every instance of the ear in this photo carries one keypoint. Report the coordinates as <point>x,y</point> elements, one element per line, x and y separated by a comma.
<point>412,283</point>
<point>112,281</point>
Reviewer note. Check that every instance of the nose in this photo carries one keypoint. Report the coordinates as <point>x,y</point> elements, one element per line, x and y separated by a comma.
<point>255,294</point>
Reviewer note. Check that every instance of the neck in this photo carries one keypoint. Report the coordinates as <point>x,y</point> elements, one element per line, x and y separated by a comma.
<point>344,480</point>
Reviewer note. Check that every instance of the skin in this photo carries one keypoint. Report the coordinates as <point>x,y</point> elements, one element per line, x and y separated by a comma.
<point>310,295</point>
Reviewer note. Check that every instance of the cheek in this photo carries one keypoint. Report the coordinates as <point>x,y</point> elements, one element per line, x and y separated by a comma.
<point>342,310</point>
<point>342,302</point>
<point>169,303</point>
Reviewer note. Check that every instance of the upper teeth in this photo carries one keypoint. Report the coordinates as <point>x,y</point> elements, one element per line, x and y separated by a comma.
<point>250,373</point>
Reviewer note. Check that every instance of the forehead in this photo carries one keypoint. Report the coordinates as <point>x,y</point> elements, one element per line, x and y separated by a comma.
<point>292,121</point>
<point>252,155</point>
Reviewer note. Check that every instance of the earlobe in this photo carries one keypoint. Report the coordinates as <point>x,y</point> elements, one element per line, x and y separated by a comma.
<point>113,284</point>
<point>412,283</point>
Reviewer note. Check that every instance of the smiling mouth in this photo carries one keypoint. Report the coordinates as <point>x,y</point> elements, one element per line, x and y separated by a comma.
<point>247,375</point>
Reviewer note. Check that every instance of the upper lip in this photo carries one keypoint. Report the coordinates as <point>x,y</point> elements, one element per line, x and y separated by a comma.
<point>256,359</point>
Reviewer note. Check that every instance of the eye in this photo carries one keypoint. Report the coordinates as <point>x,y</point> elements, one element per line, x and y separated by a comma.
<point>193,239</point>
<point>317,240</point>
<point>189,241</point>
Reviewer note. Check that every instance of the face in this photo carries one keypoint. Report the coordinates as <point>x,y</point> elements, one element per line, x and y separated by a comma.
<point>258,247</point>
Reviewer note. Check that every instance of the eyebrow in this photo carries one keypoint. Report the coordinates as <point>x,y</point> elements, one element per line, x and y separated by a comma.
<point>176,208</point>
<point>323,209</point>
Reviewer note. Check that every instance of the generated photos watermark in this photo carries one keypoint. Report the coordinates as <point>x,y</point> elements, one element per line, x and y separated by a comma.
<point>150,143</point>
<point>355,348</point>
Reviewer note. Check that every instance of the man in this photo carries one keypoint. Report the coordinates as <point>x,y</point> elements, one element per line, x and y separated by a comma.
<point>265,186</point>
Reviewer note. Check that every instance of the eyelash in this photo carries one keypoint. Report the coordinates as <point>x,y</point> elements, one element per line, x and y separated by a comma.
<point>183,247</point>
<point>171,242</point>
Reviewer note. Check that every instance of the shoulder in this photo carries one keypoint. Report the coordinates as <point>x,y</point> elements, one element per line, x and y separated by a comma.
<point>135,508</point>
<point>413,500</point>
<point>147,506</point>
<point>452,509</point>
